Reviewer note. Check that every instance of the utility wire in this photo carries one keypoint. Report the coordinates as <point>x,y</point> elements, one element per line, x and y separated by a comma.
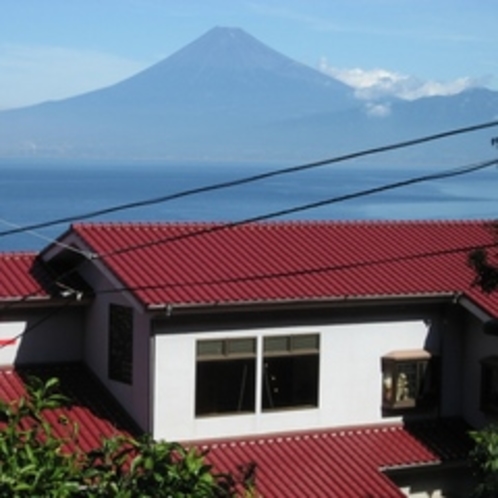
<point>254,178</point>
<point>444,174</point>
<point>43,237</point>
<point>251,179</point>
<point>464,170</point>
<point>53,312</point>
<point>299,272</point>
<point>262,276</point>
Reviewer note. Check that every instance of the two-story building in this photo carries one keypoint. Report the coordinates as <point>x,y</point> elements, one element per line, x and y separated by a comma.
<point>344,358</point>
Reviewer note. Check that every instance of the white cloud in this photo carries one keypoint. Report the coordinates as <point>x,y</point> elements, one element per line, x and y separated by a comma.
<point>33,74</point>
<point>378,110</point>
<point>379,83</point>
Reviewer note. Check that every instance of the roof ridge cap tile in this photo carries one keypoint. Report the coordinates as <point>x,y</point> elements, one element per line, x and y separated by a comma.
<point>18,254</point>
<point>281,223</point>
<point>117,224</point>
<point>302,434</point>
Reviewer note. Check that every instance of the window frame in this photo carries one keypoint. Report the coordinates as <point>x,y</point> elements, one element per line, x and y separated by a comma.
<point>120,343</point>
<point>223,353</point>
<point>410,381</point>
<point>220,350</point>
<point>291,353</point>
<point>489,376</point>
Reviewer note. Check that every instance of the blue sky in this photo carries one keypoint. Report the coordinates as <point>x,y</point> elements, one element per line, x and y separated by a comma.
<point>52,49</point>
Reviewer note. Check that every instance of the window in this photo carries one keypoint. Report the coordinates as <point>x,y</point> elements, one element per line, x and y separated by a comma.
<point>226,372</point>
<point>410,380</point>
<point>290,371</point>
<point>120,361</point>
<point>489,384</point>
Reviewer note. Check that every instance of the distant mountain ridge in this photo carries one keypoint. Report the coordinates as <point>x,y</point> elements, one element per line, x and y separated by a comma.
<point>227,97</point>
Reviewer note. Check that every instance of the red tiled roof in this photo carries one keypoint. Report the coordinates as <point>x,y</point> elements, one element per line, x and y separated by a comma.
<point>342,462</point>
<point>96,414</point>
<point>21,277</point>
<point>201,264</point>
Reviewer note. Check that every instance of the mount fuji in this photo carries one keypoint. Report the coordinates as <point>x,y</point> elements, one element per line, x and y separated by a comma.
<point>227,97</point>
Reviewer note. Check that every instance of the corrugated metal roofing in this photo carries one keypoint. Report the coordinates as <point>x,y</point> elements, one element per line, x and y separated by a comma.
<point>189,263</point>
<point>341,463</point>
<point>21,277</point>
<point>333,463</point>
<point>96,414</point>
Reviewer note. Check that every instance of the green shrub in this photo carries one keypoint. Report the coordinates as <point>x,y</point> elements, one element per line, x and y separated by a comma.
<point>484,461</point>
<point>36,461</point>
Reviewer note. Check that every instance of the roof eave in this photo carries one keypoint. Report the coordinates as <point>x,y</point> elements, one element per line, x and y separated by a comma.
<point>300,304</point>
<point>55,245</point>
<point>474,309</point>
<point>38,301</point>
<point>416,466</point>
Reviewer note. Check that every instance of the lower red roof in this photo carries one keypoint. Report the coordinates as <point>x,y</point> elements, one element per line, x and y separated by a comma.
<point>96,414</point>
<point>340,462</point>
<point>22,277</point>
<point>343,462</point>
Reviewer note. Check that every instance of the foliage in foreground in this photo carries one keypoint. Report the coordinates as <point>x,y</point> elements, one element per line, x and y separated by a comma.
<point>41,458</point>
<point>485,274</point>
<point>484,461</point>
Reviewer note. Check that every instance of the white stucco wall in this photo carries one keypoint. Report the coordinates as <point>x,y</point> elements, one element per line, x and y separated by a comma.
<point>134,397</point>
<point>477,346</point>
<point>45,335</point>
<point>435,481</point>
<point>10,333</point>
<point>350,380</point>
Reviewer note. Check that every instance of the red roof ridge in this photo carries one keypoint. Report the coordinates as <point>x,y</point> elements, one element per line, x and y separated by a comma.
<point>358,455</point>
<point>284,261</point>
<point>128,224</point>
<point>301,434</point>
<point>18,254</point>
<point>283,223</point>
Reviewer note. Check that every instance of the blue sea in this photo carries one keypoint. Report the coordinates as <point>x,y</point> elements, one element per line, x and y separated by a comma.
<point>39,191</point>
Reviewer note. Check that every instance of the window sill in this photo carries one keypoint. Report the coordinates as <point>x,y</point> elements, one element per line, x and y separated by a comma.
<point>290,409</point>
<point>490,410</point>
<point>401,411</point>
<point>223,414</point>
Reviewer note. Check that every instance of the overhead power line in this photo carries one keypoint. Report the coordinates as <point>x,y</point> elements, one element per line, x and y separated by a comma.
<point>449,173</point>
<point>316,270</point>
<point>47,316</point>
<point>257,277</point>
<point>251,179</point>
<point>435,176</point>
<point>218,227</point>
<point>43,237</point>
